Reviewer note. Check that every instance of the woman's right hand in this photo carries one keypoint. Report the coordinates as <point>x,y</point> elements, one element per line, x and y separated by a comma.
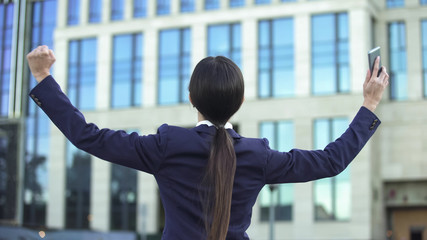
<point>40,60</point>
<point>373,87</point>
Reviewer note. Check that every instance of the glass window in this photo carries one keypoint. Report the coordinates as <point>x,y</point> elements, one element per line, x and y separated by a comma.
<point>163,7</point>
<point>82,73</point>
<point>332,196</point>
<point>398,68</point>
<point>37,125</point>
<point>6,30</point>
<point>77,199</point>
<point>139,8</point>
<point>117,9</point>
<point>123,194</point>
<point>281,137</point>
<point>225,40</point>
<point>395,3</point>
<point>289,0</point>
<point>127,71</point>
<point>95,11</point>
<point>424,46</point>
<point>423,2</point>
<point>174,65</point>
<point>330,54</point>
<point>212,4</point>
<point>73,14</point>
<point>262,1</point>
<point>237,3</point>
<point>187,5</point>
<point>276,58</point>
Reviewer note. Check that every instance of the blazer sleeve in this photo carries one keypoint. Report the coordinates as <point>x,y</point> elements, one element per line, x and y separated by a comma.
<point>303,165</point>
<point>144,153</point>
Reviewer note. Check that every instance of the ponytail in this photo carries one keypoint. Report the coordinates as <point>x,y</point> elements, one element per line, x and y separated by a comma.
<point>218,180</point>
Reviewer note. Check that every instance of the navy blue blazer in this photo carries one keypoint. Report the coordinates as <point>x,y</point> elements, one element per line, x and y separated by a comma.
<point>177,156</point>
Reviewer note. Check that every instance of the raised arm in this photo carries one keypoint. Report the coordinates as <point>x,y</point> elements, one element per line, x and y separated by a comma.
<point>304,165</point>
<point>139,152</point>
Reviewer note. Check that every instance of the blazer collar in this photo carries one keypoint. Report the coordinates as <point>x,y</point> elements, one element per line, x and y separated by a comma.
<point>203,128</point>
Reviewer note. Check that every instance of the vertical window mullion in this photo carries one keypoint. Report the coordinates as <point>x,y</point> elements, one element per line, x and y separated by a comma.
<point>132,71</point>
<point>271,56</point>
<point>180,64</point>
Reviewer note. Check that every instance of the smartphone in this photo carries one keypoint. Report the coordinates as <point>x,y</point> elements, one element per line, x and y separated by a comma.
<point>372,56</point>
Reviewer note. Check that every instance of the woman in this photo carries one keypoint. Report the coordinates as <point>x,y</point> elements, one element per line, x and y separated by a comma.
<point>209,176</point>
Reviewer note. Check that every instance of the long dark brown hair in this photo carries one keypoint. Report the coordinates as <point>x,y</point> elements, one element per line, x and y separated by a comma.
<point>216,90</point>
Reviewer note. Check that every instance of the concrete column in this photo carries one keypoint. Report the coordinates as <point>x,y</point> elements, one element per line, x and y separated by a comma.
<point>249,57</point>
<point>148,204</point>
<point>302,43</point>
<point>151,8</point>
<point>57,180</point>
<point>414,58</point>
<point>175,6</point>
<point>412,3</point>
<point>62,14</point>
<point>128,8</point>
<point>150,67</point>
<point>198,42</point>
<point>223,4</point>
<point>84,12</point>
<point>359,21</point>
<point>103,76</point>
<point>106,11</point>
<point>100,195</point>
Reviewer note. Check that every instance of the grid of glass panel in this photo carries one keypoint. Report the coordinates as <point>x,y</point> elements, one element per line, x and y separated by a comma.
<point>424,52</point>
<point>6,29</point>
<point>78,187</point>
<point>127,70</point>
<point>37,134</point>
<point>398,59</point>
<point>281,137</point>
<point>423,2</point>
<point>139,8</point>
<point>237,3</point>
<point>276,58</point>
<point>332,196</point>
<point>225,40</point>
<point>262,1</point>
<point>330,54</point>
<point>395,3</point>
<point>73,12</point>
<point>123,196</point>
<point>82,73</point>
<point>212,4</point>
<point>163,7</point>
<point>174,66</point>
<point>117,9</point>
<point>95,11</point>
<point>187,5</point>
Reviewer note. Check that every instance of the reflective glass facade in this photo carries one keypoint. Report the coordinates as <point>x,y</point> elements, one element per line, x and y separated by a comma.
<point>424,52</point>
<point>38,125</point>
<point>6,30</point>
<point>281,137</point>
<point>262,1</point>
<point>225,40</point>
<point>395,3</point>
<point>330,54</point>
<point>398,61</point>
<point>78,186</point>
<point>212,4</point>
<point>187,5</point>
<point>174,66</point>
<point>82,55</point>
<point>163,7</point>
<point>276,76</point>
<point>127,71</point>
<point>117,9</point>
<point>95,11</point>
<point>139,8</point>
<point>332,196</point>
<point>237,3</point>
<point>73,12</point>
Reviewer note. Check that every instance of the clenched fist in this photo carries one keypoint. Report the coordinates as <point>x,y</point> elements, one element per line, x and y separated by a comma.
<point>40,60</point>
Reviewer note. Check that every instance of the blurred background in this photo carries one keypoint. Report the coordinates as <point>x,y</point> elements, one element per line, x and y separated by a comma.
<point>126,64</point>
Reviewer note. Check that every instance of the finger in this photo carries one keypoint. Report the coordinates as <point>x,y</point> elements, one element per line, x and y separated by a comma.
<point>368,76</point>
<point>376,66</point>
<point>51,54</point>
